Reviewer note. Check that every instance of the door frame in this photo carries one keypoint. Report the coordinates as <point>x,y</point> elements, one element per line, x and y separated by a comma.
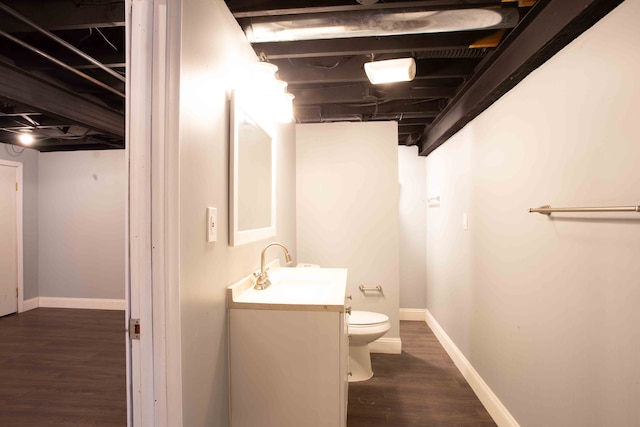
<point>154,369</point>
<point>19,231</point>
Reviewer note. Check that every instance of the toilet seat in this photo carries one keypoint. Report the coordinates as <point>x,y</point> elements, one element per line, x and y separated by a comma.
<point>366,319</point>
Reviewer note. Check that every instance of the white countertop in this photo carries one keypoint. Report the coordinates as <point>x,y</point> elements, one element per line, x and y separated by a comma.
<point>306,288</point>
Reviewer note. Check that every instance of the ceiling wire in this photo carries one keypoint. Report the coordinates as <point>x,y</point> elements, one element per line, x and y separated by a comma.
<point>369,104</point>
<point>323,67</point>
<point>106,39</point>
<point>87,36</point>
<point>62,64</point>
<point>57,39</point>
<point>101,34</point>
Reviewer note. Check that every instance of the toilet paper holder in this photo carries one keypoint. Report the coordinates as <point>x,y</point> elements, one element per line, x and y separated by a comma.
<point>377,288</point>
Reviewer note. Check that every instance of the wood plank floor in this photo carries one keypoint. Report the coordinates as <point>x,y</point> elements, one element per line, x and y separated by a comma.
<point>420,387</point>
<point>62,367</point>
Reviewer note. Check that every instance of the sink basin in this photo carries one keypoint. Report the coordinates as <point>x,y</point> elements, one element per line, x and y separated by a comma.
<point>294,289</point>
<point>288,290</point>
<point>304,287</point>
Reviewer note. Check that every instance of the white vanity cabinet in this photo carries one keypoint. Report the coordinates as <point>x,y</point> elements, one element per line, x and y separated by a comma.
<point>288,360</point>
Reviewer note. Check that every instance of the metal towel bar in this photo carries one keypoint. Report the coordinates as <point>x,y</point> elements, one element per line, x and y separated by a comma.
<point>547,210</point>
<point>377,288</point>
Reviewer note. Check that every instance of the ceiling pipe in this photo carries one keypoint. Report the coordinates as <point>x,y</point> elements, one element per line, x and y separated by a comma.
<point>377,23</point>
<point>411,4</point>
<point>60,63</point>
<point>52,36</point>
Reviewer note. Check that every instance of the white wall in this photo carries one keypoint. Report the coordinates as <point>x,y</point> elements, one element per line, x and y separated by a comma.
<point>29,160</point>
<point>546,309</point>
<point>347,207</point>
<point>413,227</point>
<point>212,48</point>
<point>81,224</point>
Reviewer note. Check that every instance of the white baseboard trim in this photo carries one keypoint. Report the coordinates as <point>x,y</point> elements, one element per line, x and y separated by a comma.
<point>386,346</point>
<point>85,303</point>
<point>30,304</point>
<point>494,406</point>
<point>415,314</point>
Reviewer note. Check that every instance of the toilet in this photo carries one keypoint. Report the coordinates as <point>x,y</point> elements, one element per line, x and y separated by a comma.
<point>364,328</point>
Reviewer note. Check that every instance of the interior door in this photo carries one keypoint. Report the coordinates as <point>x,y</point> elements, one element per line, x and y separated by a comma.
<point>8,240</point>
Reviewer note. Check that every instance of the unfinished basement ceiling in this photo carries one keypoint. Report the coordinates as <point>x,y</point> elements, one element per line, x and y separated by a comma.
<point>462,65</point>
<point>461,69</point>
<point>61,108</point>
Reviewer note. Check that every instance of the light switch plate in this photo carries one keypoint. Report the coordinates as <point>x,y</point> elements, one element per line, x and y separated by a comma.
<point>465,221</point>
<point>212,224</point>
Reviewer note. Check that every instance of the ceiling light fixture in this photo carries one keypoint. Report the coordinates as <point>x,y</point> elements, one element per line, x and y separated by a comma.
<point>391,70</point>
<point>264,96</point>
<point>25,138</point>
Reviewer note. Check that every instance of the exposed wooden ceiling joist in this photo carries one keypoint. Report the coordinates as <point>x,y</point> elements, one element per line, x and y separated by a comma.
<point>42,96</point>
<point>342,70</point>
<point>65,14</point>
<point>458,73</point>
<point>354,93</point>
<point>552,25</point>
<point>73,146</point>
<point>369,45</point>
<point>26,61</point>
<point>392,110</point>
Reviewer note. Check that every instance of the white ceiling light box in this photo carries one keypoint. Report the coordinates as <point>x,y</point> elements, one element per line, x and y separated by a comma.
<point>390,71</point>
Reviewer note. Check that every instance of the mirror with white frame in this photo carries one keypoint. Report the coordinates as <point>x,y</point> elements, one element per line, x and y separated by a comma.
<point>252,207</point>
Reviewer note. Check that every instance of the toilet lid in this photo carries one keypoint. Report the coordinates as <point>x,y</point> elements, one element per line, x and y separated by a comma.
<point>367,318</point>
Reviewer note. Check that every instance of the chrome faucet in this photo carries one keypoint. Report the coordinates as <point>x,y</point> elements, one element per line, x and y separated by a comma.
<point>263,281</point>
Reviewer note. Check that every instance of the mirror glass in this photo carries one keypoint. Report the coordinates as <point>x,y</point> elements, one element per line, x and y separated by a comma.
<point>252,160</point>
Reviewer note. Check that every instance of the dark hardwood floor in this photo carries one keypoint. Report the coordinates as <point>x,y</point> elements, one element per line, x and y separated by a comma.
<point>62,367</point>
<point>420,387</point>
